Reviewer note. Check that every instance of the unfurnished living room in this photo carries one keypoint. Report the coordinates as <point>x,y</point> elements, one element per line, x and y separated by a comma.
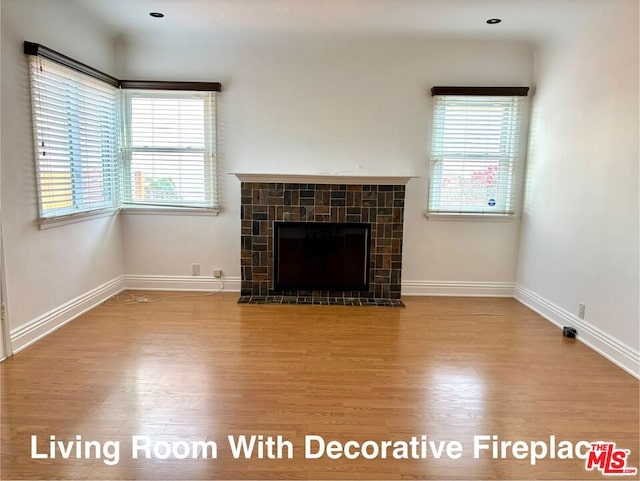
<point>323,239</point>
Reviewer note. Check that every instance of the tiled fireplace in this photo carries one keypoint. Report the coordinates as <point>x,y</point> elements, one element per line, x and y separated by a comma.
<point>269,198</point>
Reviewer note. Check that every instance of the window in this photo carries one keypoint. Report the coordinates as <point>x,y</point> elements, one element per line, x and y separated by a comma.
<point>103,143</point>
<point>75,122</point>
<point>475,151</point>
<point>169,148</point>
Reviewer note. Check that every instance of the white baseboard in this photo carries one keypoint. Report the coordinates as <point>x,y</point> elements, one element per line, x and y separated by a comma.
<point>616,351</point>
<point>182,283</point>
<point>34,330</point>
<point>232,284</point>
<point>613,349</point>
<point>459,289</point>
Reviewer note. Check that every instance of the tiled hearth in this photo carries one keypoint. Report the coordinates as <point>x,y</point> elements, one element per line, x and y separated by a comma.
<point>380,205</point>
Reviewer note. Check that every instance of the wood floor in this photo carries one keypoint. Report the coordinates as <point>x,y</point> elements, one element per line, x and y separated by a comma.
<point>194,368</point>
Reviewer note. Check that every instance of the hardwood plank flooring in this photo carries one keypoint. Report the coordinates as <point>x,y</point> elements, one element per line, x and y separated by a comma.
<point>191,367</point>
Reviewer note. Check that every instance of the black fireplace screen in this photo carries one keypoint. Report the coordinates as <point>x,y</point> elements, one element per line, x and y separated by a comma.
<point>321,256</point>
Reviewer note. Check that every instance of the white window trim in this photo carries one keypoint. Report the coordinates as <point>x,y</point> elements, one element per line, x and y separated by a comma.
<point>211,181</point>
<point>435,216</point>
<point>129,209</point>
<point>125,209</point>
<point>514,199</point>
<point>50,222</point>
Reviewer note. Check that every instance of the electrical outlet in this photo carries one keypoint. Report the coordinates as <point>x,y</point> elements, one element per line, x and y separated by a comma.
<point>581,309</point>
<point>195,269</point>
<point>217,272</point>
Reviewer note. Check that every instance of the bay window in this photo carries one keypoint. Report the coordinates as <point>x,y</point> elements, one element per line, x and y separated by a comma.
<point>102,144</point>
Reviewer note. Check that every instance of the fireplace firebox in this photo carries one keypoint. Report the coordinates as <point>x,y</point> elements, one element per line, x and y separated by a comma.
<point>321,256</point>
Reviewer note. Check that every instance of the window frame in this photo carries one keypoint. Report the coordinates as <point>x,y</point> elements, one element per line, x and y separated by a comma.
<point>210,155</point>
<point>510,173</point>
<point>66,101</point>
<point>38,51</point>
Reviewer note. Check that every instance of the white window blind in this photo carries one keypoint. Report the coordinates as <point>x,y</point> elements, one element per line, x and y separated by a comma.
<point>474,155</point>
<point>75,121</point>
<point>169,153</point>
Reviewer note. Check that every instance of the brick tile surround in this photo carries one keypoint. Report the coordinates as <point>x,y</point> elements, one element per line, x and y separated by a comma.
<point>382,206</point>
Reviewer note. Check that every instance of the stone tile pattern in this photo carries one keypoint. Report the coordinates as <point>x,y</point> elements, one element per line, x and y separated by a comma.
<point>382,206</point>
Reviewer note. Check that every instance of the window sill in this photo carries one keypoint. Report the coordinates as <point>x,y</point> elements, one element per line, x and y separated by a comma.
<point>50,222</point>
<point>162,210</point>
<point>470,217</point>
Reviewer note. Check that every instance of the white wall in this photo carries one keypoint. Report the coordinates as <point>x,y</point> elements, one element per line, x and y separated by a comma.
<point>3,328</point>
<point>46,268</point>
<point>580,225</point>
<point>308,105</point>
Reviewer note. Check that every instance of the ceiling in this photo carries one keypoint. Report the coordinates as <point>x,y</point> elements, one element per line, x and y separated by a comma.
<point>530,20</point>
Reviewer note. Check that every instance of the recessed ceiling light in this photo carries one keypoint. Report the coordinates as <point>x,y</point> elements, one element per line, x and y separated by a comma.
<point>493,21</point>
<point>156,14</point>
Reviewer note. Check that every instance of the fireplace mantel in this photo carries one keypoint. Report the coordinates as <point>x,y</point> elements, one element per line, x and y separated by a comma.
<point>323,178</point>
